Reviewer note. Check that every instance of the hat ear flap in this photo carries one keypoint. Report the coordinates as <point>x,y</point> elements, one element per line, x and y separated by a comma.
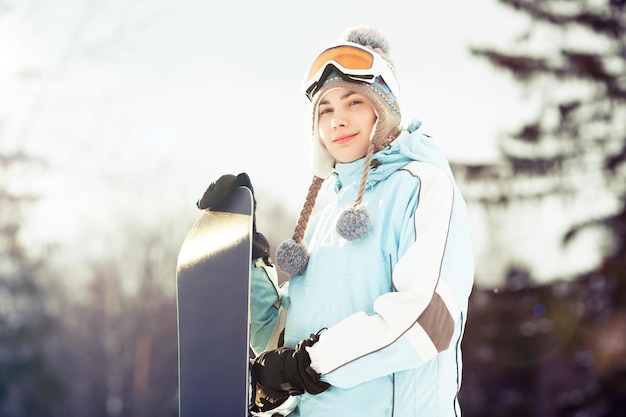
<point>322,162</point>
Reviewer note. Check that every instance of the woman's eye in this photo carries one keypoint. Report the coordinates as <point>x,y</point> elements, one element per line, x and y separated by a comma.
<point>325,111</point>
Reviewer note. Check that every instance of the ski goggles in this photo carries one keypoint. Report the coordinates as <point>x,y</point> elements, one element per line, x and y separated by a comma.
<point>355,62</point>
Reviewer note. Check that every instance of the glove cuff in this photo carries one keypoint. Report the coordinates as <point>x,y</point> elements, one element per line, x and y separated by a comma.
<point>298,370</point>
<point>260,246</point>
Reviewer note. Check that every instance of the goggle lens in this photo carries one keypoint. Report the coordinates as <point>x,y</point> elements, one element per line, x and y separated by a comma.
<point>347,56</point>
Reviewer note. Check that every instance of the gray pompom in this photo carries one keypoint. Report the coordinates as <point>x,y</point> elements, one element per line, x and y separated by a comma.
<point>353,223</point>
<point>291,257</point>
<point>367,36</point>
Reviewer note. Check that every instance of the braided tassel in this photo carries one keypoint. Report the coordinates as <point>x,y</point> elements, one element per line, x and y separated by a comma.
<point>292,255</point>
<point>354,222</point>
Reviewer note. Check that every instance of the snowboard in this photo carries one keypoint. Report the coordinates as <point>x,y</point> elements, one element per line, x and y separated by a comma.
<point>213,299</point>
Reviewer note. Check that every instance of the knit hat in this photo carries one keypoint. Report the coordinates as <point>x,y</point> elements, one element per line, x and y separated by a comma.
<point>353,223</point>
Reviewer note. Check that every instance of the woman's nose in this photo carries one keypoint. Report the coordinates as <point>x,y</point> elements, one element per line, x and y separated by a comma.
<point>339,121</point>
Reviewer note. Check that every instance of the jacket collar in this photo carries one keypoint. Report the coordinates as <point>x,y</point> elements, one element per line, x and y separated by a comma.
<point>411,145</point>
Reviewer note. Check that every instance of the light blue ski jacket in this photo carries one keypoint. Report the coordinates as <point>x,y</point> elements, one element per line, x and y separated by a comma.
<point>394,303</point>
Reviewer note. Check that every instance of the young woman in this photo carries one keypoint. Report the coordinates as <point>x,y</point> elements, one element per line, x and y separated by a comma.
<point>371,320</point>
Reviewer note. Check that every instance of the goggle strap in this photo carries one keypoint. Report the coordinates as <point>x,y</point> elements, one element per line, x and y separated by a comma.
<point>347,77</point>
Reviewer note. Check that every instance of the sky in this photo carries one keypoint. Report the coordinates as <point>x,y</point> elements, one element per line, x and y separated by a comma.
<point>137,106</point>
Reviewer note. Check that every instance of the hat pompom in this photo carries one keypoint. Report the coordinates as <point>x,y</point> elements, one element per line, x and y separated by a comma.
<point>292,257</point>
<point>353,223</point>
<point>366,36</point>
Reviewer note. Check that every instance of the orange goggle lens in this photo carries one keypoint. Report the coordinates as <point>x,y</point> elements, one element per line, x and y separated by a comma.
<point>349,57</point>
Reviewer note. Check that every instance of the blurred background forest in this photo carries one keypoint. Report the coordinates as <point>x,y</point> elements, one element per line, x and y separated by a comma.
<point>96,336</point>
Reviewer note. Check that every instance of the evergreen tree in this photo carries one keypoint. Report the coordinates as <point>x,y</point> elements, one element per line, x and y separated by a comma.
<point>574,56</point>
<point>27,385</point>
<point>557,350</point>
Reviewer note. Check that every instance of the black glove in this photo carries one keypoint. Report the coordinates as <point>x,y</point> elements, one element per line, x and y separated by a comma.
<point>219,191</point>
<point>282,372</point>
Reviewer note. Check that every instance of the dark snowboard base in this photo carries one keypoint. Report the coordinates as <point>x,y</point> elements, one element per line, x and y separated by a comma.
<point>213,287</point>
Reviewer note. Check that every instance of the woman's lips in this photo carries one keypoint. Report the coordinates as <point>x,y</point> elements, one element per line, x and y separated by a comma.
<point>344,138</point>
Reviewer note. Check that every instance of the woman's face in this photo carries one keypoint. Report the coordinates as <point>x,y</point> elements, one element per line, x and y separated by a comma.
<point>345,124</point>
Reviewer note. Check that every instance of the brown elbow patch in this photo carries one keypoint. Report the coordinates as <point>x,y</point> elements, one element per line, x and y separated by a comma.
<point>437,323</point>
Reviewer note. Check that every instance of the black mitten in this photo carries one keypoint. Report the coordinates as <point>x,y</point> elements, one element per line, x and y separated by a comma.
<point>284,371</point>
<point>219,191</point>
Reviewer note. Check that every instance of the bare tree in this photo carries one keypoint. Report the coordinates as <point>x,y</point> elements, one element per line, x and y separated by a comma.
<point>120,356</point>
